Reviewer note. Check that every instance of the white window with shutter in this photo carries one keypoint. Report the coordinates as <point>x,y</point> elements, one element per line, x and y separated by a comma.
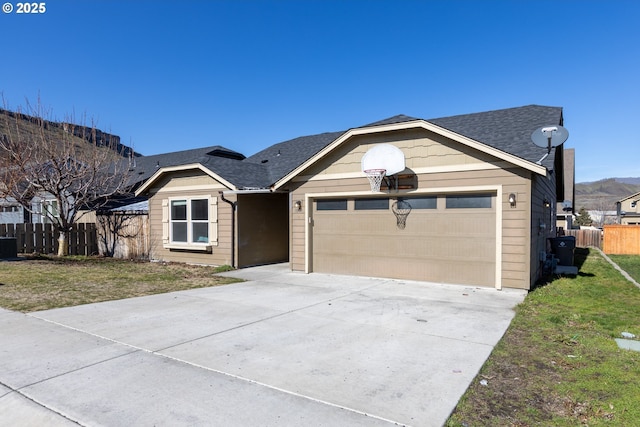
<point>190,222</point>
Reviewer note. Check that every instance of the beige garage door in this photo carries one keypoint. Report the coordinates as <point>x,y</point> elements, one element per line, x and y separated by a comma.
<point>447,238</point>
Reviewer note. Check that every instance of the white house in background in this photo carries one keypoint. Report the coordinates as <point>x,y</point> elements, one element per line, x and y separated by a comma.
<point>42,210</point>
<point>11,212</point>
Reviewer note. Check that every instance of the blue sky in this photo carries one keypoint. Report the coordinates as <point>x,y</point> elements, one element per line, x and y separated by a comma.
<point>172,75</point>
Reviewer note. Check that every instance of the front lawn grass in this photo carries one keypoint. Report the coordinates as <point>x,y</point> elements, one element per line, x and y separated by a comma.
<point>43,283</point>
<point>558,363</point>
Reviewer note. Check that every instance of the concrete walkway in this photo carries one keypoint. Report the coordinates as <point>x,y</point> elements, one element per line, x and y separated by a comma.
<point>283,348</point>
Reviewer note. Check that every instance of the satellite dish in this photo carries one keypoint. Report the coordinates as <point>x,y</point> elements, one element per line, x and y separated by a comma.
<point>384,156</point>
<point>549,136</point>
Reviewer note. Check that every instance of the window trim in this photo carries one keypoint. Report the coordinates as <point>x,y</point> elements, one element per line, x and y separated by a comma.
<point>469,195</point>
<point>431,197</point>
<point>340,209</point>
<point>358,200</point>
<point>189,244</point>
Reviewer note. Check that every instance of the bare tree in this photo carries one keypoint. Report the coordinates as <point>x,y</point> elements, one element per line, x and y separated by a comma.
<point>604,212</point>
<point>63,162</point>
<point>115,227</point>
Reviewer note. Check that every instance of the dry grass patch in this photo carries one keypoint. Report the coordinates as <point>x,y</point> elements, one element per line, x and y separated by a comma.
<point>49,282</point>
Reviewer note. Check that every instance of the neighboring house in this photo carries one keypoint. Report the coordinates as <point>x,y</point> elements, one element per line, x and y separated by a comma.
<point>11,212</point>
<point>484,202</point>
<point>628,210</point>
<point>43,208</point>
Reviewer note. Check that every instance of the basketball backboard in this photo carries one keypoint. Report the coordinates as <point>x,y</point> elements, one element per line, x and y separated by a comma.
<point>384,156</point>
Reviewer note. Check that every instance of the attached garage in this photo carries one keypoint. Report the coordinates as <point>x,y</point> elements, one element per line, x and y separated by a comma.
<point>482,198</point>
<point>481,195</point>
<point>447,237</point>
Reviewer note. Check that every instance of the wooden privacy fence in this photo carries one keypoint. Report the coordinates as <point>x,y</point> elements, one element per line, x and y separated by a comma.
<point>621,239</point>
<point>43,238</point>
<point>586,238</point>
<point>126,234</point>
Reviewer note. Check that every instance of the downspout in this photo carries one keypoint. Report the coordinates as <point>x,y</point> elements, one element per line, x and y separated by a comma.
<point>233,227</point>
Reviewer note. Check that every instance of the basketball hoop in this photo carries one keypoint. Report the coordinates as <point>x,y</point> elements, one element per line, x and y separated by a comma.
<point>401,209</point>
<point>375,178</point>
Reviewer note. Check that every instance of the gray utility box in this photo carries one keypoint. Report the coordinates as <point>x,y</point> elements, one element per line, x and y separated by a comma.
<point>8,247</point>
<point>563,248</point>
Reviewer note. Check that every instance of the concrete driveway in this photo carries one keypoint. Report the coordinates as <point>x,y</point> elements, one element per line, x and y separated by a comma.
<point>283,349</point>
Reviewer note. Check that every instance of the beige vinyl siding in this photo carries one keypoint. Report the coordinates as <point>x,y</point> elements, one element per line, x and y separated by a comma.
<point>440,164</point>
<point>420,147</point>
<point>515,221</point>
<point>632,213</point>
<point>188,180</point>
<point>515,231</point>
<point>188,184</point>
<point>297,234</point>
<point>440,245</point>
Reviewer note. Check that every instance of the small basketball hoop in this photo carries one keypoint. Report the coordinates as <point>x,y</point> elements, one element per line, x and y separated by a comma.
<point>375,178</point>
<point>401,209</point>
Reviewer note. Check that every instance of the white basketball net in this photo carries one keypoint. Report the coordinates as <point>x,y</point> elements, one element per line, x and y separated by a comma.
<point>401,209</point>
<point>375,178</point>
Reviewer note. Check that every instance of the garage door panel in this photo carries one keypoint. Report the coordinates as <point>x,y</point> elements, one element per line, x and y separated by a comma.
<point>437,270</point>
<point>444,245</point>
<point>441,248</point>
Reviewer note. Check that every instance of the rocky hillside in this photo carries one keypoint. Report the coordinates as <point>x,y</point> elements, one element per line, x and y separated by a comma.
<point>602,195</point>
<point>94,136</point>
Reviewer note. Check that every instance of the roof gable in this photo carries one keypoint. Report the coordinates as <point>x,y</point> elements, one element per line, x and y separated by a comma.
<point>143,167</point>
<point>400,118</point>
<point>505,134</point>
<point>633,196</point>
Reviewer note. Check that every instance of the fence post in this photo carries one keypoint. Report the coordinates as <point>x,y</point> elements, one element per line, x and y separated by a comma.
<point>93,239</point>
<point>47,238</point>
<point>39,237</point>
<point>30,241</point>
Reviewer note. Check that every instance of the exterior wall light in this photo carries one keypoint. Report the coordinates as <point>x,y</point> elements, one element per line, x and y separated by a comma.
<point>546,203</point>
<point>512,199</point>
<point>297,205</point>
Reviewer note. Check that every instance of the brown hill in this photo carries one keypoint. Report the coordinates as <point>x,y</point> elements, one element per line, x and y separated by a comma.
<point>602,195</point>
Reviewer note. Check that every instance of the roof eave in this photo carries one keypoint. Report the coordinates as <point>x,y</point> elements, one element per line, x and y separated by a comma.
<point>515,160</point>
<point>164,170</point>
<point>628,197</point>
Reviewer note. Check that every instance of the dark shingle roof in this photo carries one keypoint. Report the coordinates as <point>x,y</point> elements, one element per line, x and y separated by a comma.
<point>242,174</point>
<point>143,167</point>
<point>282,158</point>
<point>400,118</point>
<point>508,130</point>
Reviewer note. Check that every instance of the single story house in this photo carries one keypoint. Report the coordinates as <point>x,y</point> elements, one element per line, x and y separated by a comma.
<point>472,200</point>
